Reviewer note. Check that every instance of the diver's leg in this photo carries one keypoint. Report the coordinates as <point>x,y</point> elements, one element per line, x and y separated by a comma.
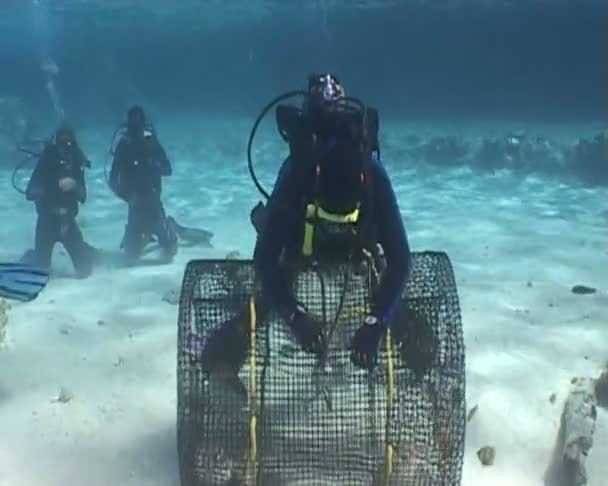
<point>133,241</point>
<point>47,234</point>
<point>165,232</point>
<point>80,253</point>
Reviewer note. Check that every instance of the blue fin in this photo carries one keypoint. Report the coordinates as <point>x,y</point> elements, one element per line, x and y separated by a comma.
<point>22,282</point>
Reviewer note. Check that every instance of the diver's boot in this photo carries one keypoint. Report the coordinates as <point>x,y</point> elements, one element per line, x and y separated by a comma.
<point>168,240</point>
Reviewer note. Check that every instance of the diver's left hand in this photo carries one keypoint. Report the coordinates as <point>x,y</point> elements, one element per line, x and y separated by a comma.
<point>364,347</point>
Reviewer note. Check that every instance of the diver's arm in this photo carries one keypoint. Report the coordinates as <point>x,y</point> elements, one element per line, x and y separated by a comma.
<point>275,278</point>
<point>393,238</point>
<point>160,159</point>
<point>280,226</point>
<point>82,158</point>
<point>35,186</point>
<point>116,172</point>
<point>81,187</point>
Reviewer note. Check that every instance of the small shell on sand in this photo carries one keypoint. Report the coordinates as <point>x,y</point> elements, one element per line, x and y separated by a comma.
<point>64,396</point>
<point>171,297</point>
<point>486,455</point>
<point>583,290</point>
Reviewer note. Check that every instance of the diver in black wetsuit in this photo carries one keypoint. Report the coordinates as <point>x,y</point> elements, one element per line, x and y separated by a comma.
<point>57,187</point>
<point>333,202</point>
<point>334,209</point>
<point>139,164</point>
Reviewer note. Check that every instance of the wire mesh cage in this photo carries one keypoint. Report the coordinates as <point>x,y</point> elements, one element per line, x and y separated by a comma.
<point>290,418</point>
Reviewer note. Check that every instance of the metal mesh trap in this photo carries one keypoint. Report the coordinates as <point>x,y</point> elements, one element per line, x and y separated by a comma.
<point>291,419</point>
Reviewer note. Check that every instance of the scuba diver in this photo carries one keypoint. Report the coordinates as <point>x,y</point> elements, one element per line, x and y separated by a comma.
<point>332,202</point>
<point>57,187</point>
<point>139,164</point>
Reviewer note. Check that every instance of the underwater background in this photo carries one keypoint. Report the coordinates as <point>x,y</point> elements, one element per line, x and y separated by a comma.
<point>433,60</point>
<point>493,119</point>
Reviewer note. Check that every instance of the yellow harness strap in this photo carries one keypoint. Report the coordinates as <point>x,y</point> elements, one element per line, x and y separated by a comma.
<point>314,211</point>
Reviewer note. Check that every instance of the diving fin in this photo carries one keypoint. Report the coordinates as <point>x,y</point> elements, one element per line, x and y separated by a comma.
<point>22,282</point>
<point>194,236</point>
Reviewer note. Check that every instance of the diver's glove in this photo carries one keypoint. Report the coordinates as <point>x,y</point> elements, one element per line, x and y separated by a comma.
<point>365,343</point>
<point>308,331</point>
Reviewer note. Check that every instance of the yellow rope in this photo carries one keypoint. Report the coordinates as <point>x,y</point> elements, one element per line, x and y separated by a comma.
<point>390,395</point>
<point>251,389</point>
<point>354,312</point>
<point>390,390</point>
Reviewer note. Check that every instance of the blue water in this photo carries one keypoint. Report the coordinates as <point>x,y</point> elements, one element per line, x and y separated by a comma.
<point>521,231</point>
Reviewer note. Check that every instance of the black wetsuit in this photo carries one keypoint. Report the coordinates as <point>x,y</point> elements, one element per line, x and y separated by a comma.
<point>57,209</point>
<point>283,233</point>
<point>137,169</point>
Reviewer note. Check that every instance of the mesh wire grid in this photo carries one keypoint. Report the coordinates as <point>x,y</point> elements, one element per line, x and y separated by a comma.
<point>292,419</point>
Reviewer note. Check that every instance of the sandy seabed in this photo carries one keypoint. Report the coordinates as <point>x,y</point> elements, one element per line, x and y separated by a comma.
<point>518,246</point>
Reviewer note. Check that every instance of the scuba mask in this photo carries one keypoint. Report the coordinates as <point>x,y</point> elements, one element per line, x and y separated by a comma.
<point>324,92</point>
<point>64,138</point>
<point>335,119</point>
<point>65,142</point>
<point>68,150</point>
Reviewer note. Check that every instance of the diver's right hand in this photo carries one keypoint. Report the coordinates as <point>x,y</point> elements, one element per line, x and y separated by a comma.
<point>308,331</point>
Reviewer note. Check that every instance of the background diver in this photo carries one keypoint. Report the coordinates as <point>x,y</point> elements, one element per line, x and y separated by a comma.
<point>139,164</point>
<point>333,201</point>
<point>57,187</point>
